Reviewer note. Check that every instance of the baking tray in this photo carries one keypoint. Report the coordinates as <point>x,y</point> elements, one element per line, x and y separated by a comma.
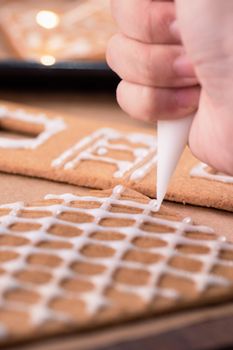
<point>89,74</point>
<point>73,68</point>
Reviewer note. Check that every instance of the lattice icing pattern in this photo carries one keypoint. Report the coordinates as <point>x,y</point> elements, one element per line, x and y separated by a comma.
<point>65,31</point>
<point>201,170</point>
<point>95,147</point>
<point>112,223</point>
<point>50,128</point>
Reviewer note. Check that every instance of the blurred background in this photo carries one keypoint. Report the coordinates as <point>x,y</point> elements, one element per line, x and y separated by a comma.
<point>56,42</point>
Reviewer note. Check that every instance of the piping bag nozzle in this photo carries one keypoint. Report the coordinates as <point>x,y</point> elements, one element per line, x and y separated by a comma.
<point>172,139</point>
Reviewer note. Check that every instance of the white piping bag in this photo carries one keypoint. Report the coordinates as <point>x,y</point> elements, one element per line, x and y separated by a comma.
<point>172,139</point>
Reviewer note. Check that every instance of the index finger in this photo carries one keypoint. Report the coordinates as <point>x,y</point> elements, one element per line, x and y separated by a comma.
<point>146,20</point>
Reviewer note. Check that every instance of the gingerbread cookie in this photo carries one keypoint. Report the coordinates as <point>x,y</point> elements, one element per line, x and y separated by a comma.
<point>96,155</point>
<point>193,183</point>
<point>77,261</point>
<point>58,30</point>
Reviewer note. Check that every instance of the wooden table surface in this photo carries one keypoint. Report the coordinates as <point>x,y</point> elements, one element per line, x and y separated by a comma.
<point>206,328</point>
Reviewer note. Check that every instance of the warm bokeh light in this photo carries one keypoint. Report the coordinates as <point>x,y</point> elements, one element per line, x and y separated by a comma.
<point>47,19</point>
<point>47,60</point>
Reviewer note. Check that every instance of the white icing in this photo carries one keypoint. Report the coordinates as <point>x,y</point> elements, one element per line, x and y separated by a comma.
<point>200,170</point>
<point>50,126</point>
<point>96,146</point>
<point>97,298</point>
<point>140,173</point>
<point>83,11</point>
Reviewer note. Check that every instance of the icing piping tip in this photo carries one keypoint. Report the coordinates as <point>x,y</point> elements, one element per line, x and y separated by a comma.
<point>158,204</point>
<point>172,139</point>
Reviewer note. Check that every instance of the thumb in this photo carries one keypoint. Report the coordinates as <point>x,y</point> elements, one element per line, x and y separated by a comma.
<point>211,138</point>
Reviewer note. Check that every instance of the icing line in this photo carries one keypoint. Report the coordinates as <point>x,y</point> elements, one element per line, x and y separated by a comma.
<point>96,146</point>
<point>51,127</point>
<point>200,170</point>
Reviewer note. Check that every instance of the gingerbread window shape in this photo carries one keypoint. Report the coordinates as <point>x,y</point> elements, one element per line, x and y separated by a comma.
<point>202,170</point>
<point>37,128</point>
<point>97,145</point>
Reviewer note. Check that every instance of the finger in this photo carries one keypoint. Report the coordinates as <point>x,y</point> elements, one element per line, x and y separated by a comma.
<point>153,65</point>
<point>151,104</point>
<point>146,21</point>
<point>210,138</point>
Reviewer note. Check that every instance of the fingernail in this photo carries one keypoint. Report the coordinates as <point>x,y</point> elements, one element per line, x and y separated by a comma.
<point>174,29</point>
<point>183,67</point>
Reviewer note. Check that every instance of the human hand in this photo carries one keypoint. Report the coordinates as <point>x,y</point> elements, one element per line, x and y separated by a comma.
<point>161,73</point>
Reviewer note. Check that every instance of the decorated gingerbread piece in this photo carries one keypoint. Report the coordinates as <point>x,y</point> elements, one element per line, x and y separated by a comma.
<point>57,30</point>
<point>73,260</point>
<point>92,154</point>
